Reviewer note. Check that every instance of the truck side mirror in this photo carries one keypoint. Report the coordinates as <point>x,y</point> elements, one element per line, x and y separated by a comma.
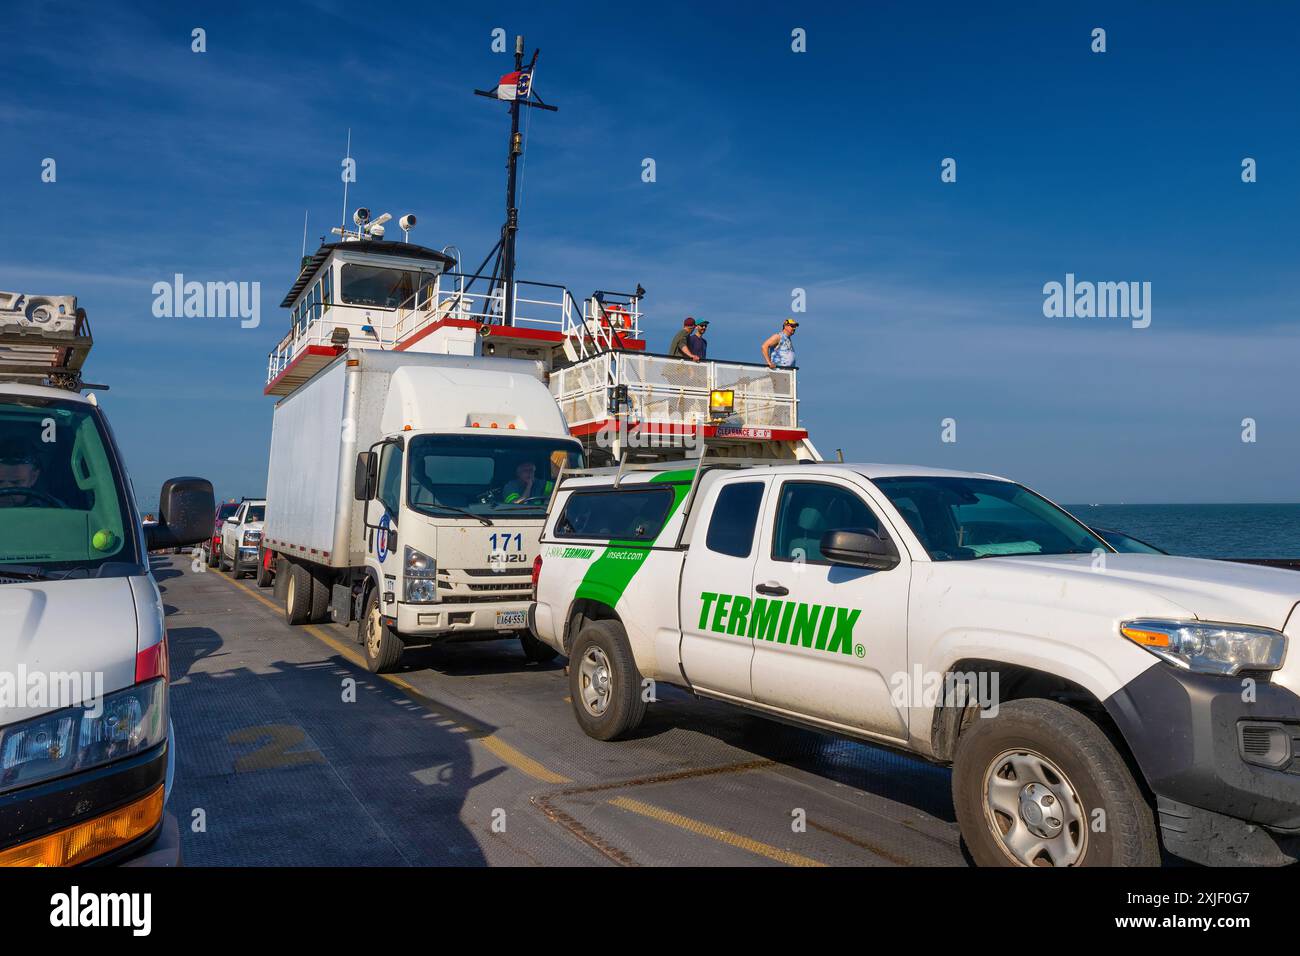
<point>363,479</point>
<point>859,549</point>
<point>187,510</point>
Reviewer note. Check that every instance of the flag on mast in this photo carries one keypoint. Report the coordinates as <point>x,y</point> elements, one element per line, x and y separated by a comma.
<point>514,85</point>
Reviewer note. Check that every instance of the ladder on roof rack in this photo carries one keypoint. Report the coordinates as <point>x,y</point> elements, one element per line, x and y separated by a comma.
<point>43,339</point>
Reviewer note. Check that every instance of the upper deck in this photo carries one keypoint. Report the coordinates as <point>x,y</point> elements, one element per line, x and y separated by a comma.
<point>398,296</point>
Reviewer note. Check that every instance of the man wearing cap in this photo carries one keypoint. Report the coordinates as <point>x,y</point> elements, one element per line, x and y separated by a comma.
<point>778,350</point>
<point>680,348</point>
<point>696,344</point>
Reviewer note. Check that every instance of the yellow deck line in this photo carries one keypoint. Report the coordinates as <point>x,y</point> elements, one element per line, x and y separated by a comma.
<point>700,828</point>
<point>494,744</point>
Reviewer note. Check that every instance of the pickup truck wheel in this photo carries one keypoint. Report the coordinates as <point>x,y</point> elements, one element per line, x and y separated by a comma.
<point>320,598</point>
<point>383,648</point>
<point>1042,785</point>
<point>537,652</point>
<point>604,684</point>
<point>264,576</point>
<point>297,594</point>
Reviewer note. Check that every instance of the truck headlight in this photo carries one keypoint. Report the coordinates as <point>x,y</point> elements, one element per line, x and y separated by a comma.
<point>73,739</point>
<point>252,537</point>
<point>1207,647</point>
<point>419,577</point>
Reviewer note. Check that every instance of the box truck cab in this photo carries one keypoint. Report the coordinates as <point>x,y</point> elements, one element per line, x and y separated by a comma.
<point>1095,706</point>
<point>86,745</point>
<point>407,491</point>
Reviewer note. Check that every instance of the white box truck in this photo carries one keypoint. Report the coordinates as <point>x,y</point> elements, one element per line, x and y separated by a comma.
<point>407,492</point>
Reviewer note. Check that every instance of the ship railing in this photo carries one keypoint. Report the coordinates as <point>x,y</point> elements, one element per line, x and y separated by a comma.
<point>669,391</point>
<point>479,299</point>
<point>366,328</point>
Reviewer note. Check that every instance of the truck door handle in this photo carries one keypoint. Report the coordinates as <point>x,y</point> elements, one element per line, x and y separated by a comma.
<point>772,588</point>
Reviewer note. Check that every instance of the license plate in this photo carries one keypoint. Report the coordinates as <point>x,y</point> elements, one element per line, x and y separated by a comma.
<point>507,619</point>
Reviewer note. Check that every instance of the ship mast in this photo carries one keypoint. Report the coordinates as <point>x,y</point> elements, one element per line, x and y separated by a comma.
<point>520,94</point>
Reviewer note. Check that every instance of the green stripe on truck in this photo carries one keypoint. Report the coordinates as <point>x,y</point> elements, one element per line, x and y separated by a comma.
<point>610,574</point>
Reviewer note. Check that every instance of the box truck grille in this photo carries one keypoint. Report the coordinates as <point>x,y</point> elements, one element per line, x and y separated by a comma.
<point>455,585</point>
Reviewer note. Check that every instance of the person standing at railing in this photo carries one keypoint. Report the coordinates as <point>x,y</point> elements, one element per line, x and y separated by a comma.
<point>679,347</point>
<point>778,350</point>
<point>699,348</point>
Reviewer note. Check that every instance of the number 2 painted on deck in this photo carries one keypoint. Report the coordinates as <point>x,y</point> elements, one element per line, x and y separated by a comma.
<point>518,539</point>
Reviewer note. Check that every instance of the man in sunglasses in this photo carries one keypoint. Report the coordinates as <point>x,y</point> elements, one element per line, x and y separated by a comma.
<point>778,350</point>
<point>20,471</point>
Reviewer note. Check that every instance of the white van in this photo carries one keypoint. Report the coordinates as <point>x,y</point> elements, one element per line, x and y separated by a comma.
<point>86,745</point>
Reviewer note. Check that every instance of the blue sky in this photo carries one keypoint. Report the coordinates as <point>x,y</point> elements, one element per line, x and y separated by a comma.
<point>775,170</point>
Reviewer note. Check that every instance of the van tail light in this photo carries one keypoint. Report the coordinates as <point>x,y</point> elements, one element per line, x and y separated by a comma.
<point>152,662</point>
<point>537,569</point>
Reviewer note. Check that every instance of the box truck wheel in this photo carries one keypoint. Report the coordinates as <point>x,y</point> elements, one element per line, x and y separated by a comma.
<point>297,593</point>
<point>383,648</point>
<point>537,652</point>
<point>264,575</point>
<point>1040,784</point>
<point>320,596</point>
<point>604,684</point>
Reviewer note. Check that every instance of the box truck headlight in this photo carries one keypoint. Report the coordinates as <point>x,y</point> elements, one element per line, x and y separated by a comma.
<point>419,573</point>
<point>1208,648</point>
<point>74,739</point>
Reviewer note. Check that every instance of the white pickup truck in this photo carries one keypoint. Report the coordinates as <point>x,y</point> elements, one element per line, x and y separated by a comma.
<point>1096,707</point>
<point>241,537</point>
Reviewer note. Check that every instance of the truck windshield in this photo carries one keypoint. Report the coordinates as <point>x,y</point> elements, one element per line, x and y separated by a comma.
<point>485,474</point>
<point>255,513</point>
<point>62,510</point>
<point>965,518</point>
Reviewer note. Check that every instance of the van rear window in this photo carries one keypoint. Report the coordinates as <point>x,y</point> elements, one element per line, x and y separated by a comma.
<point>636,514</point>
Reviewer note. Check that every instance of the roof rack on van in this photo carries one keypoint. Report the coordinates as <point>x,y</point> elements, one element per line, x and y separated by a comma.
<point>44,339</point>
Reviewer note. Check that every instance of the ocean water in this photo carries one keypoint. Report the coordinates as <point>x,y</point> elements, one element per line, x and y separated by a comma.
<point>1204,531</point>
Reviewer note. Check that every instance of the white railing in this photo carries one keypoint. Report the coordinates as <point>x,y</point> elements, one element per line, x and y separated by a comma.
<point>672,391</point>
<point>590,329</point>
<point>372,328</point>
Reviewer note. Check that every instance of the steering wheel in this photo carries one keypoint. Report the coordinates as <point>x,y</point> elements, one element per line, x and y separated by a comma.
<point>34,493</point>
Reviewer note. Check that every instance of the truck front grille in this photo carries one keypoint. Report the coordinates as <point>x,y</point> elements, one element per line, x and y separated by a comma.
<point>468,585</point>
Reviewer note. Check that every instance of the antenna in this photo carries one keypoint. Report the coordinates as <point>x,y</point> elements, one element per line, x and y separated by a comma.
<point>344,218</point>
<point>304,233</point>
<point>515,88</point>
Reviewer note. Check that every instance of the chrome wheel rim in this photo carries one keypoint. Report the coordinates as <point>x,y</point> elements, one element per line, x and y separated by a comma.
<point>291,594</point>
<point>372,632</point>
<point>594,684</point>
<point>1034,811</point>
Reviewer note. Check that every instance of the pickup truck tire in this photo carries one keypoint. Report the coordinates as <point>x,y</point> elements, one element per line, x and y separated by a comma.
<point>537,652</point>
<point>1028,784</point>
<point>264,577</point>
<point>297,594</point>
<point>604,683</point>
<point>382,647</point>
